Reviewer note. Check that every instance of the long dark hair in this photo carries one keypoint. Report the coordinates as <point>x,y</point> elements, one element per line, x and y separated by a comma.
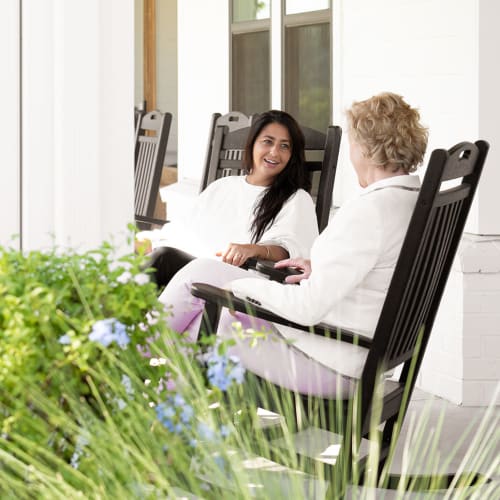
<point>288,181</point>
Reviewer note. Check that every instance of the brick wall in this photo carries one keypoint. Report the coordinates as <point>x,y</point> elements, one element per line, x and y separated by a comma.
<point>462,363</point>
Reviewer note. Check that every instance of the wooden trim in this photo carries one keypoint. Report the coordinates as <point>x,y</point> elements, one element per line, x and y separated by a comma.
<point>150,54</point>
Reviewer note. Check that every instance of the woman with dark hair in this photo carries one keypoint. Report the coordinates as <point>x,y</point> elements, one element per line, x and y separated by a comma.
<point>265,214</point>
<point>345,280</point>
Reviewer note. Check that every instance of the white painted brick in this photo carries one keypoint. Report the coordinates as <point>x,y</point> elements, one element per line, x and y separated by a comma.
<point>481,324</point>
<point>481,369</point>
<point>486,282</point>
<point>473,302</point>
<point>443,363</point>
<point>491,393</point>
<point>490,346</point>
<point>449,388</point>
<point>425,380</point>
<point>480,393</point>
<point>471,347</point>
<point>490,302</point>
<point>473,393</point>
<point>453,346</point>
<point>480,255</point>
<point>480,301</point>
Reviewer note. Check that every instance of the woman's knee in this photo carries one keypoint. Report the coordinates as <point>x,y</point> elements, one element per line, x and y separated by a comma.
<point>213,272</point>
<point>166,262</point>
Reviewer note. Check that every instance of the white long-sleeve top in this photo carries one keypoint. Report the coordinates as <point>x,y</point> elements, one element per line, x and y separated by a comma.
<point>352,263</point>
<point>223,214</point>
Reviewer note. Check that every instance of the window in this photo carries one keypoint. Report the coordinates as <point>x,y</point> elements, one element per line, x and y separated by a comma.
<point>305,72</point>
<point>249,10</point>
<point>307,62</point>
<point>250,56</point>
<point>299,6</point>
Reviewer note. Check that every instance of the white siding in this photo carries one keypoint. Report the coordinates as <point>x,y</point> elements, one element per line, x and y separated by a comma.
<point>9,125</point>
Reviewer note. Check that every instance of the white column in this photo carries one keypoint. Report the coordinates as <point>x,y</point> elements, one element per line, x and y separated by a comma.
<point>9,125</point>
<point>203,36</point>
<point>485,216</point>
<point>203,85</point>
<point>78,81</point>
<point>38,100</point>
<point>480,253</point>
<point>462,363</point>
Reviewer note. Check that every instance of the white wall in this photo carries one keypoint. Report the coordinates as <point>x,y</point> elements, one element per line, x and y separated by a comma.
<point>139,51</point>
<point>486,219</point>
<point>38,125</point>
<point>9,125</point>
<point>424,50</point>
<point>203,55</point>
<point>442,57</point>
<point>77,121</point>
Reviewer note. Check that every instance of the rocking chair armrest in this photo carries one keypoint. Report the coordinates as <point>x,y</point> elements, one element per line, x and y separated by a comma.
<point>150,220</point>
<point>267,268</point>
<point>224,298</point>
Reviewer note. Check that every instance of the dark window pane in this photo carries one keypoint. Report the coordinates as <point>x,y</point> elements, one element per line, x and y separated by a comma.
<point>249,10</point>
<point>307,74</point>
<point>251,72</point>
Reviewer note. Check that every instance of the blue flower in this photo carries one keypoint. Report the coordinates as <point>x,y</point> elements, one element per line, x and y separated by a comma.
<point>205,432</point>
<point>121,337</point>
<point>223,370</point>
<point>221,463</point>
<point>165,414</point>
<point>225,431</point>
<point>65,339</point>
<point>175,414</point>
<point>187,414</point>
<point>108,330</point>
<point>178,400</point>
<point>102,332</point>
<point>81,442</point>
<point>127,383</point>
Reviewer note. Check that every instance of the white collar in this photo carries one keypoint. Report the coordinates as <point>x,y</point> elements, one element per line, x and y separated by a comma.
<point>404,181</point>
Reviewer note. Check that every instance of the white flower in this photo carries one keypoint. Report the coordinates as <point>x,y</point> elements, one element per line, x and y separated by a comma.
<point>157,361</point>
<point>117,264</point>
<point>141,279</point>
<point>124,278</point>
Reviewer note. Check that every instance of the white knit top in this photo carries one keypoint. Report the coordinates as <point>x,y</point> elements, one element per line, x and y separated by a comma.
<point>223,214</point>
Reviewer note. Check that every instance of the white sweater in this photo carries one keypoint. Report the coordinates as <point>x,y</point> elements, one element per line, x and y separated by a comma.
<point>352,262</point>
<point>223,214</point>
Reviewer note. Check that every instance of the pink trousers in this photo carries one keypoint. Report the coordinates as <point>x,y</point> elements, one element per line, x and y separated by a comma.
<point>271,358</point>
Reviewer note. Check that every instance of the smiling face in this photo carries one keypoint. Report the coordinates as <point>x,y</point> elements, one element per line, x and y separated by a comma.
<point>271,152</point>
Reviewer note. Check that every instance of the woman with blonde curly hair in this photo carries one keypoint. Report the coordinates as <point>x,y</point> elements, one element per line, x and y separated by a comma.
<point>352,262</point>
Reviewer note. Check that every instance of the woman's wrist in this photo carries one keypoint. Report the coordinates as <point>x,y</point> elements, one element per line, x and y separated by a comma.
<point>267,252</point>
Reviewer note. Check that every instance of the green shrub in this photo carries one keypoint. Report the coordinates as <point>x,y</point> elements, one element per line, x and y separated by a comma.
<point>98,399</point>
<point>51,302</point>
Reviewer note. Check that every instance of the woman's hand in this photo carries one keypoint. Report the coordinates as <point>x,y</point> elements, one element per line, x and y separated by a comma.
<point>237,254</point>
<point>143,246</point>
<point>303,265</point>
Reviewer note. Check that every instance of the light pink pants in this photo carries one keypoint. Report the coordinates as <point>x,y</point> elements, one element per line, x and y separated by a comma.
<point>272,358</point>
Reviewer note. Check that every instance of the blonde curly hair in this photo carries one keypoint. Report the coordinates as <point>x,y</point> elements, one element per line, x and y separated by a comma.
<point>389,131</point>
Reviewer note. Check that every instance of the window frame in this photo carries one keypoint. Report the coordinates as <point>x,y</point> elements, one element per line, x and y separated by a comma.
<point>243,27</point>
<point>306,19</point>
